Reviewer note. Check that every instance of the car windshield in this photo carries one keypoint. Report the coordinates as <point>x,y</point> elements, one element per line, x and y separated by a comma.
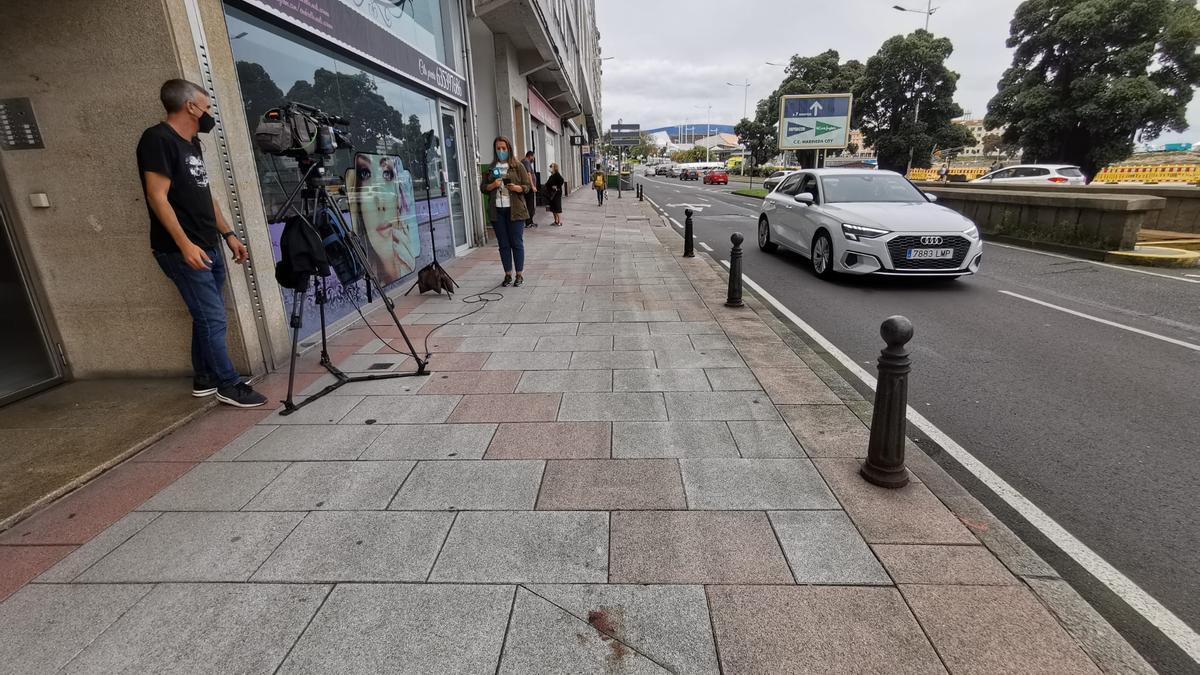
<point>869,188</point>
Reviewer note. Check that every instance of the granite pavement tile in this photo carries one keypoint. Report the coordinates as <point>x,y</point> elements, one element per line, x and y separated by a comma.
<point>943,565</point>
<point>42,627</point>
<point>242,443</point>
<point>313,443</point>
<point>528,361</point>
<point>690,547</point>
<point>827,430</point>
<point>429,628</point>
<point>908,515</point>
<point>720,405</point>
<point>325,410</point>
<point>818,629</point>
<point>541,329</point>
<point>794,385</point>
<point>651,342</point>
<point>614,329</point>
<point>431,409</point>
<point>823,547</point>
<point>525,547</point>
<point>732,379</point>
<point>611,485</point>
<point>332,486</point>
<point>358,546</point>
<point>506,408</point>
<point>754,484</point>
<point>195,547</point>
<point>685,328</point>
<point>96,548</point>
<point>215,486</point>
<point>654,379</point>
<point>551,440</point>
<point>431,441</point>
<point>20,564</point>
<point>244,627</point>
<point>471,486</point>
<point>572,381</point>
<point>646,315</point>
<point>469,382</point>
<point>672,439</point>
<point>611,360</point>
<point>766,439</point>
<point>443,361</point>
<point>698,358</point>
<point>710,341</point>
<point>518,343</point>
<point>612,407</point>
<point>994,629</point>
<point>575,343</point>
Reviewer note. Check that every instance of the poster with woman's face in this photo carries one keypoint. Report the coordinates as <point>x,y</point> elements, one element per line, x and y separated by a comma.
<point>382,208</point>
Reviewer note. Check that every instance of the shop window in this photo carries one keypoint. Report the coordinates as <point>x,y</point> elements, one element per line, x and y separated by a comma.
<point>390,124</point>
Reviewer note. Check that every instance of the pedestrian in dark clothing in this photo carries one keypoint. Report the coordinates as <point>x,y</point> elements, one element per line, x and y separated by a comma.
<point>505,182</point>
<point>186,232</point>
<point>531,197</point>
<point>555,187</point>
<point>598,184</point>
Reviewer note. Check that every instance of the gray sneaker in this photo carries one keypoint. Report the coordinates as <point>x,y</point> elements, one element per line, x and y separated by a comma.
<point>240,395</point>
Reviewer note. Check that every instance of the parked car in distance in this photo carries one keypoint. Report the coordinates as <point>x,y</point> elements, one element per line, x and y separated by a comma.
<point>716,176</point>
<point>689,174</point>
<point>662,170</point>
<point>674,172</point>
<point>866,221</point>
<point>649,171</point>
<point>776,177</point>
<point>1035,174</point>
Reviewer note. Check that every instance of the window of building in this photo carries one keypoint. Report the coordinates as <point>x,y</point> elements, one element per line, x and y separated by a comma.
<point>420,23</point>
<point>390,125</point>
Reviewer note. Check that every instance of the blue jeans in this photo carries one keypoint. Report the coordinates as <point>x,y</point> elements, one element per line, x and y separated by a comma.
<point>201,292</point>
<point>510,234</point>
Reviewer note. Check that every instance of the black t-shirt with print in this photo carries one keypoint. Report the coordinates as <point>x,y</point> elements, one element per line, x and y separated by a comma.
<point>163,151</point>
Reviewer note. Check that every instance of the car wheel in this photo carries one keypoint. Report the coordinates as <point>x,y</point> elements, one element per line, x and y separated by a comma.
<point>822,255</point>
<point>764,236</point>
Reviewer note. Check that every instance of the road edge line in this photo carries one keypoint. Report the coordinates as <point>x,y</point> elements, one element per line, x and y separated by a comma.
<point>1150,609</point>
<point>1106,322</point>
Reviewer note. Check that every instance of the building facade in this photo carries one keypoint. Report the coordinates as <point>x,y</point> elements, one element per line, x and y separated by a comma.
<point>82,294</point>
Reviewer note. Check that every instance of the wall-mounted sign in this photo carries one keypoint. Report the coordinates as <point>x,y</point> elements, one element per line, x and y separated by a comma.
<point>539,109</point>
<point>340,23</point>
<point>577,140</point>
<point>18,127</point>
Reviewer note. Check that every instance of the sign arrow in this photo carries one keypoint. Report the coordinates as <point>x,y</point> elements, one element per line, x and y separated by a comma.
<point>825,128</point>
<point>815,108</point>
<point>794,128</point>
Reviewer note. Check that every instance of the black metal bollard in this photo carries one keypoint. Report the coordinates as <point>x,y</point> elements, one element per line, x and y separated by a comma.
<point>734,297</point>
<point>689,250</point>
<point>885,451</point>
<point>640,192</point>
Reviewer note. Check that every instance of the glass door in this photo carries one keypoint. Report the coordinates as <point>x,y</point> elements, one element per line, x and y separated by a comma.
<point>451,122</point>
<point>27,363</point>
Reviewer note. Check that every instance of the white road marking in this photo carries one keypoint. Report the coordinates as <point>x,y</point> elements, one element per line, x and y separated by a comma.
<point>1098,263</point>
<point>694,207</point>
<point>1106,322</point>
<point>1194,276</point>
<point>706,247</point>
<point>1139,600</point>
<point>675,223</point>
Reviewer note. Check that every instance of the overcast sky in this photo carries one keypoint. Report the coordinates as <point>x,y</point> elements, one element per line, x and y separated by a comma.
<point>674,57</point>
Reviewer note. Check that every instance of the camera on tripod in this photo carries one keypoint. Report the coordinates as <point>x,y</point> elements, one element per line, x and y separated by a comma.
<point>301,132</point>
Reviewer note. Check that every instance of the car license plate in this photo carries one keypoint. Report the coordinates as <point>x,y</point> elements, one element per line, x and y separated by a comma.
<point>930,253</point>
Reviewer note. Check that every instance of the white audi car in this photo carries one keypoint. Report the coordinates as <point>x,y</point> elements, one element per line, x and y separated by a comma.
<point>864,221</point>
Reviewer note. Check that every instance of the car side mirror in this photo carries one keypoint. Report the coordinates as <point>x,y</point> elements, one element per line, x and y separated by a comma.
<point>930,197</point>
<point>806,198</point>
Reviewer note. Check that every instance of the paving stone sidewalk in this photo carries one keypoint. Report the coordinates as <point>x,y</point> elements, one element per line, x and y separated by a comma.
<point>607,471</point>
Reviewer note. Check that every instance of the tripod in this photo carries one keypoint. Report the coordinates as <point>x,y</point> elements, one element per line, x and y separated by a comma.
<point>444,279</point>
<point>314,199</point>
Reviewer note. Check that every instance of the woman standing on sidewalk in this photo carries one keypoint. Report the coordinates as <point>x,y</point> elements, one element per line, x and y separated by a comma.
<point>505,183</point>
<point>555,186</point>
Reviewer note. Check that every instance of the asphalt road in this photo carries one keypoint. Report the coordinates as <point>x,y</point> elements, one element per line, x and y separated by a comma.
<point>1099,426</point>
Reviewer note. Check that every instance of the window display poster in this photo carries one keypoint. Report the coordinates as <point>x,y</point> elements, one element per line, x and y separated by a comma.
<point>383,213</point>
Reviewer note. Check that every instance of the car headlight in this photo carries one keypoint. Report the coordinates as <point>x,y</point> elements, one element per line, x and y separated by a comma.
<point>856,232</point>
<point>972,233</point>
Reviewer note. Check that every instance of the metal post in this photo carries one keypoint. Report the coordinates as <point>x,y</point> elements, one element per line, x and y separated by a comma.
<point>688,250</point>
<point>885,451</point>
<point>734,297</point>
<point>620,163</point>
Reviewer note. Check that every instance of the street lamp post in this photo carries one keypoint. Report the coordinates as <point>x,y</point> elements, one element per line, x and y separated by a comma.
<point>928,12</point>
<point>707,129</point>
<point>745,94</point>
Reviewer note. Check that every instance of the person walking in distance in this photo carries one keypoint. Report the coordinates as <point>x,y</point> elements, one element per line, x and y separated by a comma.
<point>555,187</point>
<point>186,230</point>
<point>505,183</point>
<point>530,165</point>
<point>598,184</point>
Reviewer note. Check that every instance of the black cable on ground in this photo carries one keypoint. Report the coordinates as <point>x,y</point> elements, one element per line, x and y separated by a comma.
<point>474,298</point>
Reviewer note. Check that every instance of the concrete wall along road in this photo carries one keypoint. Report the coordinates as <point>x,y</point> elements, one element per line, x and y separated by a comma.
<point>1094,222</point>
<point>1181,213</point>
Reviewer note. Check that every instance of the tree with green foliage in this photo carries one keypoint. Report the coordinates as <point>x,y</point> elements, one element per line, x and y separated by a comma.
<point>759,140</point>
<point>990,143</point>
<point>1089,78</point>
<point>909,72</point>
<point>695,154</point>
<point>852,148</point>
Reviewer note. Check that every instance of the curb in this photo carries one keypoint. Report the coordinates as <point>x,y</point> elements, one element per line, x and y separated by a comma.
<point>1106,647</point>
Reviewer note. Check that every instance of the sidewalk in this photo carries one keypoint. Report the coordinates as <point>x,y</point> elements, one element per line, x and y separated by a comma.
<point>607,471</point>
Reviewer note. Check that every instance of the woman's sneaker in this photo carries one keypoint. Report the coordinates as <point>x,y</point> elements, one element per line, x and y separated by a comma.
<point>241,396</point>
<point>202,387</point>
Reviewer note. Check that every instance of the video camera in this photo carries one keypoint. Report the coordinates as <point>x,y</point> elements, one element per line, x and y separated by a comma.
<point>300,131</point>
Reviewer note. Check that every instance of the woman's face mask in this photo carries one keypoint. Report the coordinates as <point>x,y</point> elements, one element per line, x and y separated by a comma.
<point>501,155</point>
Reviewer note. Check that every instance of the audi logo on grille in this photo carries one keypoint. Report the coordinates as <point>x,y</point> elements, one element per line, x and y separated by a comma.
<point>931,241</point>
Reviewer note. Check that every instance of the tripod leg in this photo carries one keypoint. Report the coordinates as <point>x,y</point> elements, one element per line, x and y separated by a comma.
<point>321,298</point>
<point>296,321</point>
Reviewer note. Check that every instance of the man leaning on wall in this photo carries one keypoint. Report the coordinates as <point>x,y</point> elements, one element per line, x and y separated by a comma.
<point>186,230</point>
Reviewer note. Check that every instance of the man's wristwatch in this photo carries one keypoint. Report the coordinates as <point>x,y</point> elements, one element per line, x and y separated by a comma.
<point>228,234</point>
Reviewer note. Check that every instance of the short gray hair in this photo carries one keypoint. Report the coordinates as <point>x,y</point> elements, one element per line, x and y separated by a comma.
<point>176,93</point>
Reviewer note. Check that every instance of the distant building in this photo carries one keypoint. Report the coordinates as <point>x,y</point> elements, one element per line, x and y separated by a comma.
<point>979,132</point>
<point>860,141</point>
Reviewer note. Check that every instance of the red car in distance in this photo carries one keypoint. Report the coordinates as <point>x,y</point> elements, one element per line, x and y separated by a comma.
<point>716,176</point>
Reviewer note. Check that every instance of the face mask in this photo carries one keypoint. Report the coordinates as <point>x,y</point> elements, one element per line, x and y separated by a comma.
<point>502,155</point>
<point>206,122</point>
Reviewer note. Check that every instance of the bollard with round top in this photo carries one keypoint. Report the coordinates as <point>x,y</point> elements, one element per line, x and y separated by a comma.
<point>734,297</point>
<point>689,250</point>
<point>885,450</point>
